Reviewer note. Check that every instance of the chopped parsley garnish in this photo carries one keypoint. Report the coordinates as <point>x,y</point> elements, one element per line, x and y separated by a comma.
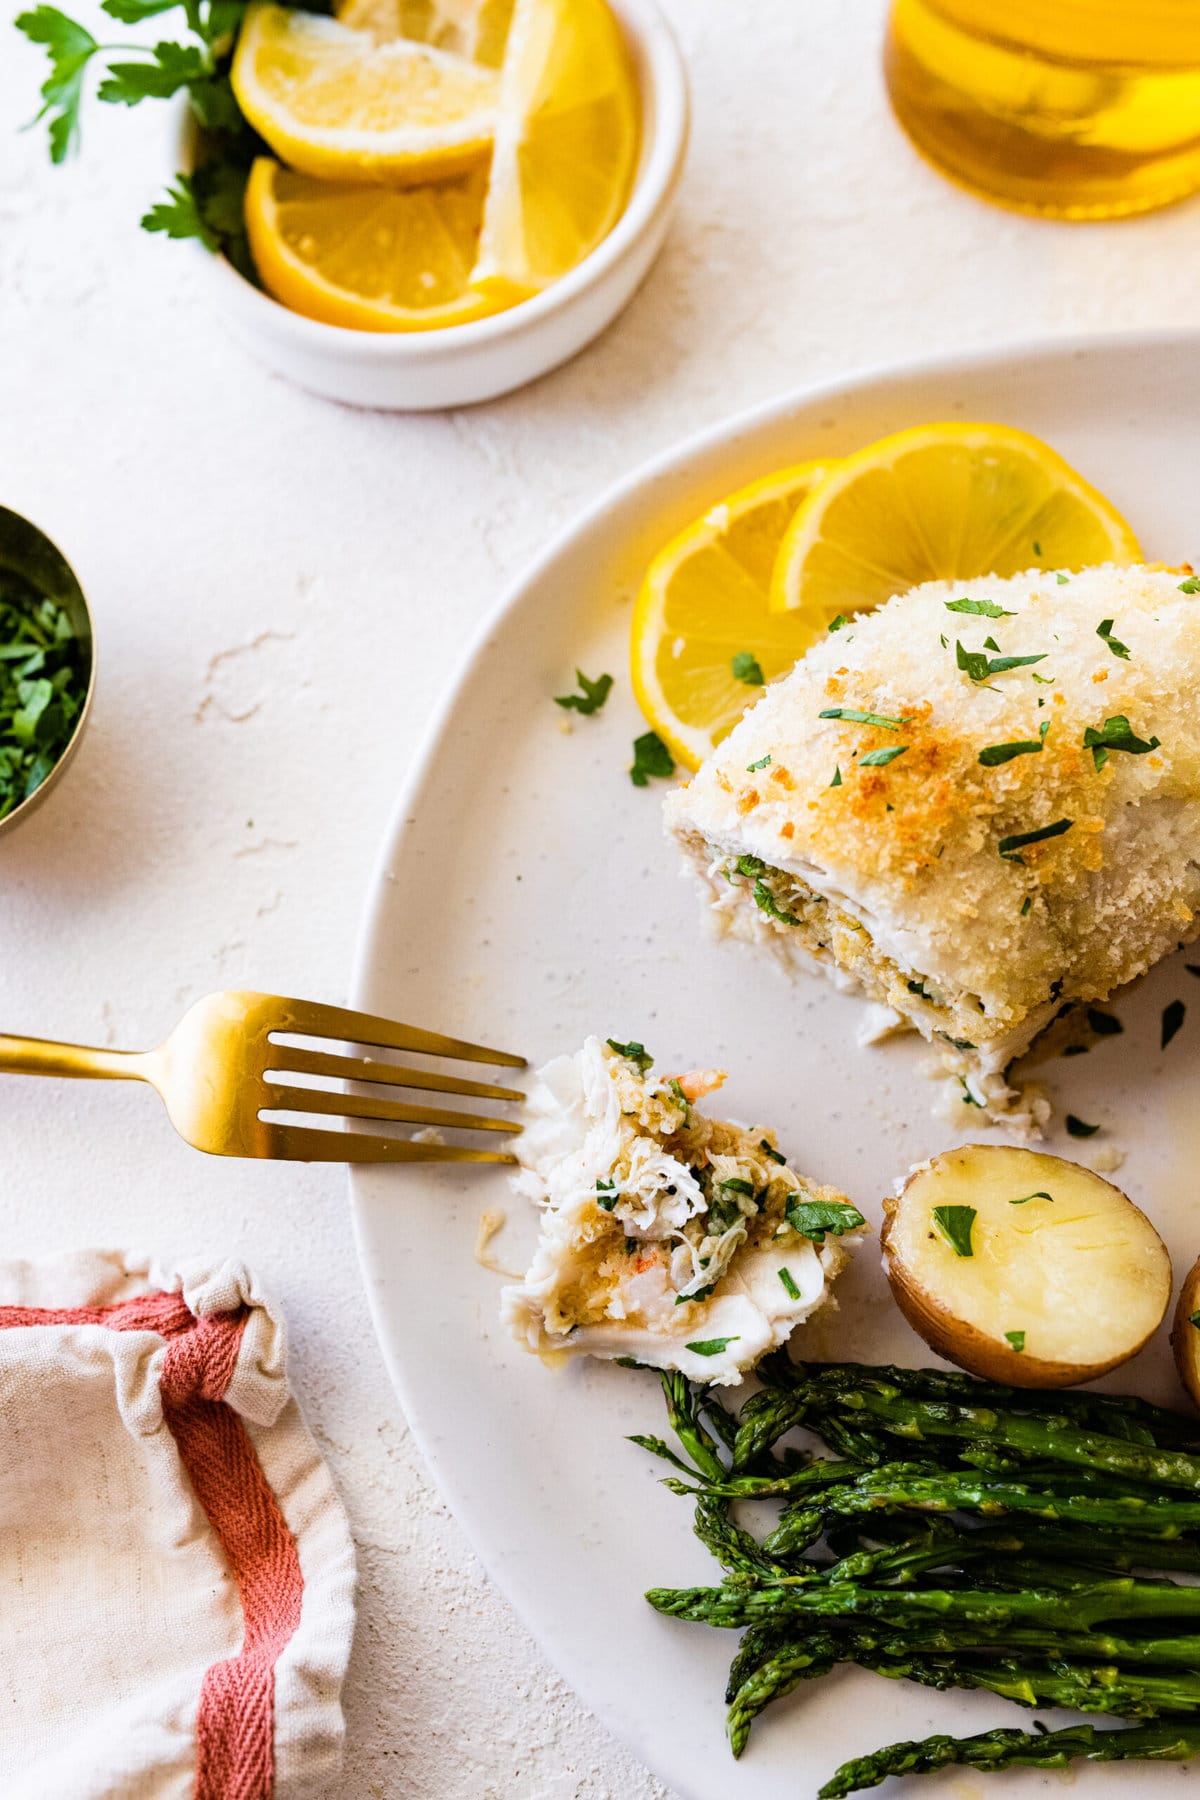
<point>955,1224</point>
<point>1009,846</point>
<point>766,902</point>
<point>1104,630</point>
<point>1045,681</point>
<point>789,1286</point>
<point>1026,1198</point>
<point>682,1099</point>
<point>591,697</point>
<point>1117,734</point>
<point>1062,579</point>
<point>1078,1127</point>
<point>995,754</point>
<point>813,1218</point>
<point>836,624</point>
<point>750,865</point>
<point>1191,585</point>
<point>764,762</point>
<point>968,1098</point>
<point>1194,1319</point>
<point>606,1195</point>
<point>879,759</point>
<point>837,777</point>
<point>980,666</point>
<point>770,1150</point>
<point>1172,1019</point>
<point>709,1346</point>
<point>1016,1339</point>
<point>1026,903</point>
<point>1103,1024</point>
<point>632,1052</point>
<point>43,684</point>
<point>746,667</point>
<point>738,1185</point>
<point>918,987</point>
<point>650,757</point>
<point>989,643</point>
<point>986,609</point>
<point>854,717</point>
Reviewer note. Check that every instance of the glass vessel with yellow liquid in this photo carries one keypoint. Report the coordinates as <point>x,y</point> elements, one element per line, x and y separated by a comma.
<point>1077,109</point>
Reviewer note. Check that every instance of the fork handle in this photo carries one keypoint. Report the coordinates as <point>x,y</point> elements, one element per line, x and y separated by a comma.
<point>40,1056</point>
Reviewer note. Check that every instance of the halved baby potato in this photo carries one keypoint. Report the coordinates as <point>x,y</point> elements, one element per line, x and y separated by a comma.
<point>1185,1332</point>
<point>1024,1268</point>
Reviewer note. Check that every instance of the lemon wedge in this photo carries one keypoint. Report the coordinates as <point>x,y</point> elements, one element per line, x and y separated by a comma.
<point>371,258</point>
<point>950,501</point>
<point>333,102</point>
<point>566,147</point>
<point>477,29</point>
<point>703,603</point>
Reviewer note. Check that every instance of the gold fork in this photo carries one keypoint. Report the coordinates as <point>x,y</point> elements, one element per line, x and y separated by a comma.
<point>222,1068</point>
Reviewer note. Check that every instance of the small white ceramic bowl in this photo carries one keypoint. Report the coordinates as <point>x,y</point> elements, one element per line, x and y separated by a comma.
<point>420,370</point>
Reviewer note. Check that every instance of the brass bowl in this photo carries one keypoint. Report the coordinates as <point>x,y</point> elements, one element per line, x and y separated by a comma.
<point>24,550</point>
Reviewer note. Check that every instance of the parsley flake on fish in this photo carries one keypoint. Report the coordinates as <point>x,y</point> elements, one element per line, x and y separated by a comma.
<point>854,717</point>
<point>879,759</point>
<point>632,1052</point>
<point>710,1346</point>
<point>813,1218</point>
<point>979,666</point>
<point>1010,847</point>
<point>995,754</point>
<point>1117,734</point>
<point>789,1285</point>
<point>1191,585</point>
<point>836,624</point>
<point>762,763</point>
<point>986,609</point>
<point>1016,1339</point>
<point>1105,630</point>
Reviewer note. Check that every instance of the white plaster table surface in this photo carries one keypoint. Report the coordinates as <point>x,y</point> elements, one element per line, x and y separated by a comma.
<point>281,589</point>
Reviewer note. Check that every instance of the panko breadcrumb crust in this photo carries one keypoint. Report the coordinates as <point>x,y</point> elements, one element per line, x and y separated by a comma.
<point>912,848</point>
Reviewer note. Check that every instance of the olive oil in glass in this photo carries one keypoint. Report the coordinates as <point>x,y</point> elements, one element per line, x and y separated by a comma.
<point>1076,109</point>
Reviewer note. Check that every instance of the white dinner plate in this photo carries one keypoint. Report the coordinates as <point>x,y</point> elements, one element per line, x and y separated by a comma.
<point>526,898</point>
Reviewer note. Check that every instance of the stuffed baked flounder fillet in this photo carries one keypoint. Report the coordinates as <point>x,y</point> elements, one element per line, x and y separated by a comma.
<point>980,803</point>
<point>668,1237</point>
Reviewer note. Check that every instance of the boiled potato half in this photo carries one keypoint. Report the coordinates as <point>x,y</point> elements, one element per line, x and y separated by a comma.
<point>1024,1268</point>
<point>1185,1333</point>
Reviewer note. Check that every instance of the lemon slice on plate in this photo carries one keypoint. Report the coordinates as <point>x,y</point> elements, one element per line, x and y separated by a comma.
<point>567,133</point>
<point>371,258</point>
<point>703,603</point>
<point>333,102</point>
<point>944,500</point>
<point>477,29</point>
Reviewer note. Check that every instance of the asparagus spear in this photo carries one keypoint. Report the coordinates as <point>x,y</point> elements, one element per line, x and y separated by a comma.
<point>899,1486</point>
<point>1079,1610</point>
<point>1007,1749</point>
<point>1117,1415</point>
<point>733,1548</point>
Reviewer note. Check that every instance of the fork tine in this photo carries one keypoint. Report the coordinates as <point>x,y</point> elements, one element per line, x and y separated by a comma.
<point>355,1106</point>
<point>311,1019</point>
<point>298,1143</point>
<point>294,1061</point>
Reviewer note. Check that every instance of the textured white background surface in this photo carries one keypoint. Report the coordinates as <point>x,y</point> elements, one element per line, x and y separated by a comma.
<point>281,588</point>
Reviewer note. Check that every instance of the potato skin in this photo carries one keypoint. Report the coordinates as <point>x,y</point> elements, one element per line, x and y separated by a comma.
<point>1185,1339</point>
<point>963,1344</point>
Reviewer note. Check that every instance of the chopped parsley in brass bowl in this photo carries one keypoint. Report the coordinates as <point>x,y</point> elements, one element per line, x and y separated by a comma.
<point>46,665</point>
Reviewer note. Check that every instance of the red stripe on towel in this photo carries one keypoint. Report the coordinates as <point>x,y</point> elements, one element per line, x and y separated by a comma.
<point>235,1720</point>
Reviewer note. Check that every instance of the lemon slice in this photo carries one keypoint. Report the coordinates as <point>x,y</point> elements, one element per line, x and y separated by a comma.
<point>371,258</point>
<point>566,148</point>
<point>331,101</point>
<point>477,29</point>
<point>953,501</point>
<point>704,602</point>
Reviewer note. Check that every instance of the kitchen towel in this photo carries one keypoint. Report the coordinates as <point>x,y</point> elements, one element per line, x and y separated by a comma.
<point>176,1570</point>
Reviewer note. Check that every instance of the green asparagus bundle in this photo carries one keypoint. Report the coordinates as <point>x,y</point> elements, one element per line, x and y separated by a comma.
<point>959,1534</point>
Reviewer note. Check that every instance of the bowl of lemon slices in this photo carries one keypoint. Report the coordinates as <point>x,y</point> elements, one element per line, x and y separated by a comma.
<point>455,196</point>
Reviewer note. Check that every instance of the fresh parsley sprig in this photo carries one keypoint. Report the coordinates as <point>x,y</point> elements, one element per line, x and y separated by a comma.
<point>207,204</point>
